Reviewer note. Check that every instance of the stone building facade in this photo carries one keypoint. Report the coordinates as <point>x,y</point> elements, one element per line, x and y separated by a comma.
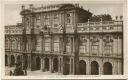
<point>47,34</point>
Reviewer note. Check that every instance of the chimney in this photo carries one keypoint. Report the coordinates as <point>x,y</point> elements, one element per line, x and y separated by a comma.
<point>81,7</point>
<point>88,10</point>
<point>121,17</point>
<point>76,5</point>
<point>116,17</point>
<point>31,6</point>
<point>23,7</point>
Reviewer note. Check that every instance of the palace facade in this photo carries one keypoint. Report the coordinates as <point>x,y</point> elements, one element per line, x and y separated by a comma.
<point>57,38</point>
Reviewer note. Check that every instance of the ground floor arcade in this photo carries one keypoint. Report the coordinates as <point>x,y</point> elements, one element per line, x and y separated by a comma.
<point>55,63</point>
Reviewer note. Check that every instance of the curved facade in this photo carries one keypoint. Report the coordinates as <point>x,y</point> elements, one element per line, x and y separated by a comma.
<point>60,38</point>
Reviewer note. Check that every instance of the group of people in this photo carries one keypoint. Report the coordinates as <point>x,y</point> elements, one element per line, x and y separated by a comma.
<point>18,71</point>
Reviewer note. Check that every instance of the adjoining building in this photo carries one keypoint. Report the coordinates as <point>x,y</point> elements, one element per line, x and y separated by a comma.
<point>46,41</point>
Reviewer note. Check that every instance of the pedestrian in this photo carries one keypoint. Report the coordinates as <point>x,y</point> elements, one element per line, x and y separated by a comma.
<point>11,73</point>
<point>25,72</point>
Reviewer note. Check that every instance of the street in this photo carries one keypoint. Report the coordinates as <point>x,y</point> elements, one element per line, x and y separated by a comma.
<point>30,73</point>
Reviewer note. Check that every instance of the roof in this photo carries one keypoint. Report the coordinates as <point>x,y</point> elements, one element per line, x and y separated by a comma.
<point>51,8</point>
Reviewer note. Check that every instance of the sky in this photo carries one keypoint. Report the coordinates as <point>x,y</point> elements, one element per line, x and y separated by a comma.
<point>12,11</point>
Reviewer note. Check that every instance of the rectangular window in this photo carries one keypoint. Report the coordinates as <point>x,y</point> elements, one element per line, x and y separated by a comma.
<point>56,44</point>
<point>68,45</point>
<point>108,49</point>
<point>6,45</point>
<point>83,49</point>
<point>68,48</point>
<point>94,49</point>
<point>38,21</point>
<point>39,44</point>
<point>47,44</point>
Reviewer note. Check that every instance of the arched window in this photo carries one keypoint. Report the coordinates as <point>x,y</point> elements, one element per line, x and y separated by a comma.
<point>12,60</point>
<point>46,64</point>
<point>94,68</point>
<point>107,68</point>
<point>82,67</point>
<point>55,65</point>
<point>38,63</point>
<point>6,60</point>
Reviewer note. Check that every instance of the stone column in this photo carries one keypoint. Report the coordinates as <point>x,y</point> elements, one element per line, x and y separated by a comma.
<point>9,60</point>
<point>101,68</point>
<point>73,67</point>
<point>114,65</point>
<point>43,64</point>
<point>88,67</point>
<point>62,65</point>
<point>70,72</point>
<point>119,67</point>
<point>22,60</point>
<point>59,65</point>
<point>51,64</point>
<point>30,62</point>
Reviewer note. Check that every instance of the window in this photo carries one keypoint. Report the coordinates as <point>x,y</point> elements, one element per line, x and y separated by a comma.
<point>7,44</point>
<point>108,45</point>
<point>47,44</point>
<point>83,47</point>
<point>38,21</point>
<point>68,45</point>
<point>56,44</point>
<point>46,21</point>
<point>108,49</point>
<point>55,25</point>
<point>68,15</point>
<point>47,17</point>
<point>68,21</point>
<point>95,46</point>
<point>38,45</point>
<point>55,16</point>
<point>94,49</point>
<point>27,21</point>
<point>68,18</point>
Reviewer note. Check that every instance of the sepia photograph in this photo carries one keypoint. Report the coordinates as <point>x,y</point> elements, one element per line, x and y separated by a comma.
<point>64,38</point>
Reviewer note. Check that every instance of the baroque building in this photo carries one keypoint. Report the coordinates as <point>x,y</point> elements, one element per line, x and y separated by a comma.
<point>60,38</point>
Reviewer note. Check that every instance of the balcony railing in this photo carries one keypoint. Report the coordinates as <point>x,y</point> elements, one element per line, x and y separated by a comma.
<point>88,27</point>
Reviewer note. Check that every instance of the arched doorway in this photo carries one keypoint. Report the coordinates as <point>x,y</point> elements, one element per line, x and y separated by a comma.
<point>94,68</point>
<point>18,63</point>
<point>6,60</point>
<point>82,67</point>
<point>66,65</point>
<point>46,64</point>
<point>18,58</point>
<point>55,65</point>
<point>25,59</point>
<point>12,60</point>
<point>38,63</point>
<point>107,68</point>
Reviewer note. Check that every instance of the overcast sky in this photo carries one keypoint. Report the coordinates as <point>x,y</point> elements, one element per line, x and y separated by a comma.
<point>12,11</point>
